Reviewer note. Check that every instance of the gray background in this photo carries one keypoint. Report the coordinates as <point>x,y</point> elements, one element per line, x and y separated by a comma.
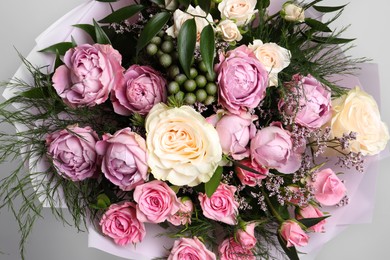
<point>22,20</point>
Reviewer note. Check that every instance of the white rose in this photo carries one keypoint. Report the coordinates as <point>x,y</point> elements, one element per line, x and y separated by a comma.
<point>179,17</point>
<point>272,56</point>
<point>182,147</point>
<point>293,13</point>
<point>229,31</point>
<point>358,112</point>
<point>240,11</point>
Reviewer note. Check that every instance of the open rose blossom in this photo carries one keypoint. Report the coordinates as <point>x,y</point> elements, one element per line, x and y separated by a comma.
<point>313,108</point>
<point>124,158</point>
<point>328,188</point>
<point>242,80</point>
<point>88,75</point>
<point>121,224</point>
<point>183,215</point>
<point>272,147</point>
<point>293,234</point>
<point>155,201</point>
<point>246,237</point>
<point>311,211</point>
<point>183,148</point>
<point>251,178</point>
<point>221,206</point>
<point>230,249</point>
<point>142,89</point>
<point>239,11</point>
<point>190,249</point>
<point>72,151</point>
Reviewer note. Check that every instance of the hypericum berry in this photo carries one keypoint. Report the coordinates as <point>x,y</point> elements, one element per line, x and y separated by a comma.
<point>209,100</point>
<point>161,33</point>
<point>156,40</point>
<point>201,81</point>
<point>211,89</point>
<point>190,98</point>
<point>190,85</point>
<point>151,49</point>
<point>193,73</point>
<point>173,87</point>
<point>201,95</point>
<point>173,71</point>
<point>167,46</point>
<point>180,78</point>
<point>165,60</point>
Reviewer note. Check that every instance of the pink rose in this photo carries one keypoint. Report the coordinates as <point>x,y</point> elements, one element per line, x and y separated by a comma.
<point>311,211</point>
<point>293,234</point>
<point>235,133</point>
<point>295,195</point>
<point>313,107</point>
<point>88,75</point>
<point>242,80</point>
<point>328,188</point>
<point>251,178</point>
<point>229,249</point>
<point>221,206</point>
<point>143,88</point>
<point>190,249</point>
<point>183,215</point>
<point>272,147</point>
<point>247,237</point>
<point>121,224</point>
<point>124,158</point>
<point>72,151</point>
<point>156,201</point>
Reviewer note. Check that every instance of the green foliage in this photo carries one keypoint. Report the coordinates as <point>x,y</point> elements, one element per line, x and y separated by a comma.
<point>59,48</point>
<point>186,45</point>
<point>122,14</point>
<point>101,36</point>
<point>207,48</point>
<point>212,185</point>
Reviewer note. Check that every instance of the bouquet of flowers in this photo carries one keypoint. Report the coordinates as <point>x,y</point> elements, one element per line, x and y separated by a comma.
<point>224,123</point>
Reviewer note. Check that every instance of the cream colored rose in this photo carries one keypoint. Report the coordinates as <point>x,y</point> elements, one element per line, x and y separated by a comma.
<point>179,17</point>
<point>292,12</point>
<point>182,147</point>
<point>273,57</point>
<point>228,31</point>
<point>240,11</point>
<point>358,112</point>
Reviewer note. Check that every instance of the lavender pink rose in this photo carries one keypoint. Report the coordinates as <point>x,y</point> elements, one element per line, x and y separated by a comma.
<point>72,151</point>
<point>88,75</point>
<point>190,249</point>
<point>124,158</point>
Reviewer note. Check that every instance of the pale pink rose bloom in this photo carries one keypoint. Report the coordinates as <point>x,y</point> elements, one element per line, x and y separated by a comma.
<point>230,249</point>
<point>293,234</point>
<point>155,201</point>
<point>250,178</point>
<point>72,151</point>
<point>183,215</point>
<point>124,160</point>
<point>272,147</point>
<point>311,211</point>
<point>313,107</point>
<point>121,224</point>
<point>247,237</point>
<point>242,80</point>
<point>328,188</point>
<point>190,249</point>
<point>221,206</point>
<point>88,75</point>
<point>235,132</point>
<point>142,89</point>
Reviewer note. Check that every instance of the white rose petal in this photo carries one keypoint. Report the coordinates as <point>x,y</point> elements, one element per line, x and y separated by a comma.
<point>229,31</point>
<point>240,11</point>
<point>293,13</point>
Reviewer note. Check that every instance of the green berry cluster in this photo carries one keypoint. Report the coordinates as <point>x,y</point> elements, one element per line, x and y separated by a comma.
<point>162,47</point>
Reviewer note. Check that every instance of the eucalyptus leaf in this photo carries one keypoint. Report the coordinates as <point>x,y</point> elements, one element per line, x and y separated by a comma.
<point>317,25</point>
<point>101,36</point>
<point>122,14</point>
<point>207,48</point>
<point>328,9</point>
<point>205,5</point>
<point>60,48</point>
<point>212,185</point>
<point>186,45</point>
<point>88,28</point>
<point>155,24</point>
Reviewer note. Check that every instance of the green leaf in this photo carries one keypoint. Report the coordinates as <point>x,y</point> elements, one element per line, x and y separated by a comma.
<point>309,222</point>
<point>58,62</point>
<point>122,14</point>
<point>60,48</point>
<point>291,252</point>
<point>317,25</point>
<point>158,2</point>
<point>207,48</point>
<point>205,5</point>
<point>212,185</point>
<point>264,3</point>
<point>184,3</point>
<point>311,4</point>
<point>328,9</point>
<point>186,45</point>
<point>155,24</point>
<point>36,93</point>
<point>330,40</point>
<point>88,28</point>
<point>101,36</point>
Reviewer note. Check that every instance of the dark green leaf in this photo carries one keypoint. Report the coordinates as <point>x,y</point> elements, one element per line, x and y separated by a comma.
<point>101,36</point>
<point>291,252</point>
<point>328,9</point>
<point>155,24</point>
<point>158,2</point>
<point>59,48</point>
<point>205,5</point>
<point>309,222</point>
<point>74,43</point>
<point>207,48</point>
<point>186,45</point>
<point>212,185</point>
<point>35,93</point>
<point>317,25</point>
<point>311,4</point>
<point>58,62</point>
<point>184,3</point>
<point>122,14</point>
<point>88,28</point>
<point>330,40</point>
<point>264,3</point>
<point>246,168</point>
